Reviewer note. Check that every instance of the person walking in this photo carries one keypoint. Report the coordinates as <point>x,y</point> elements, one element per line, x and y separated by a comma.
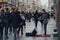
<point>44,20</point>
<point>11,21</point>
<point>21,23</point>
<point>6,20</point>
<point>15,22</point>
<point>36,18</point>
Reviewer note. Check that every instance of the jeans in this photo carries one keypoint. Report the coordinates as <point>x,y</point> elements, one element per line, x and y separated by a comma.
<point>14,31</point>
<point>1,31</point>
<point>45,29</point>
<point>10,28</point>
<point>36,22</point>
<point>44,26</point>
<point>20,28</point>
<point>6,31</point>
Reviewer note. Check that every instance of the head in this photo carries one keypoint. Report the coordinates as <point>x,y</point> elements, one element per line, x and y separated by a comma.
<point>6,10</point>
<point>36,10</point>
<point>43,11</point>
<point>12,9</point>
<point>2,10</point>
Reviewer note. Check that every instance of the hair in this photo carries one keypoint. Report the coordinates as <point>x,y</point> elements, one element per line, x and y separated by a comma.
<point>43,10</point>
<point>12,8</point>
<point>36,10</point>
<point>7,9</point>
<point>2,10</point>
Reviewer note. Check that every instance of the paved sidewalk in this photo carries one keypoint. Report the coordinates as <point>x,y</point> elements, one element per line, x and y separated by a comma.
<point>29,28</point>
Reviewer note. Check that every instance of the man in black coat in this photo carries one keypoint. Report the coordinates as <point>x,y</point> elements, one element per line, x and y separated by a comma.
<point>11,20</point>
<point>6,21</point>
<point>15,22</point>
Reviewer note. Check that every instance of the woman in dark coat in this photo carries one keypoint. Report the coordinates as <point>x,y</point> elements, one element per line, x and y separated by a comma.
<point>44,20</point>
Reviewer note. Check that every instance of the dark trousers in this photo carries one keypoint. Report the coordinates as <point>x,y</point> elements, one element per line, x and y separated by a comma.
<point>45,29</point>
<point>10,28</point>
<point>20,28</point>
<point>41,23</point>
<point>14,31</point>
<point>29,19</point>
<point>1,31</point>
<point>36,22</point>
<point>6,29</point>
<point>15,26</point>
<point>44,26</point>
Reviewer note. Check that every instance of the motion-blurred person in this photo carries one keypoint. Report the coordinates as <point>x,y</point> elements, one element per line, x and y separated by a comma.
<point>15,22</point>
<point>1,24</point>
<point>52,15</point>
<point>36,16</point>
<point>44,20</point>
<point>23,18</point>
<point>32,16</point>
<point>11,20</point>
<point>27,15</point>
<point>6,20</point>
<point>22,23</point>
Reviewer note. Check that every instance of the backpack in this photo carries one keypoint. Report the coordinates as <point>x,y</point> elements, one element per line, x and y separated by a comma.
<point>34,32</point>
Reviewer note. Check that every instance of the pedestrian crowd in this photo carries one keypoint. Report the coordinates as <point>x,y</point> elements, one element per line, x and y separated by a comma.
<point>14,21</point>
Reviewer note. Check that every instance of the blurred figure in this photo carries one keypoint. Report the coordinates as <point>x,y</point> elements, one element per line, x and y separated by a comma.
<point>1,23</point>
<point>6,20</point>
<point>26,16</point>
<point>21,23</point>
<point>36,16</point>
<point>32,16</point>
<point>29,16</point>
<point>11,20</point>
<point>15,22</point>
<point>23,18</point>
<point>52,15</point>
<point>44,20</point>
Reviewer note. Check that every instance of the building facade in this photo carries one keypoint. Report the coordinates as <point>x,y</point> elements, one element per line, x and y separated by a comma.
<point>30,4</point>
<point>57,15</point>
<point>52,4</point>
<point>8,3</point>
